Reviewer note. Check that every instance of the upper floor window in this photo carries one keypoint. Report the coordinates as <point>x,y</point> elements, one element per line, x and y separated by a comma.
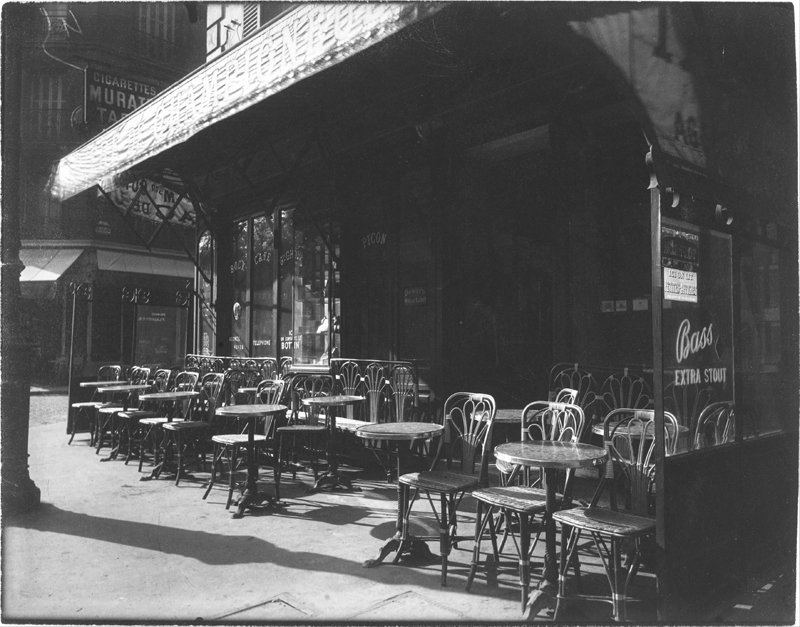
<point>157,30</point>
<point>47,114</point>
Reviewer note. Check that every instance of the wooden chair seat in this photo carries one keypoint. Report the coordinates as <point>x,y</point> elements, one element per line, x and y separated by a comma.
<point>607,521</point>
<point>87,404</point>
<point>158,420</point>
<point>440,481</point>
<point>137,414</point>
<point>519,498</point>
<point>185,425</point>
<point>230,439</point>
<point>303,429</point>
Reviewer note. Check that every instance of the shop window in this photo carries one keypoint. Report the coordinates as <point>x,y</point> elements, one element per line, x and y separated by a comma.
<point>160,335</point>
<point>47,114</point>
<point>697,324</point>
<point>315,318</point>
<point>760,395</point>
<point>206,289</point>
<point>240,279</point>
<point>262,288</point>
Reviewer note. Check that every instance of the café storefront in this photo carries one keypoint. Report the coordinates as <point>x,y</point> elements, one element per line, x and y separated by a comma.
<point>488,189</point>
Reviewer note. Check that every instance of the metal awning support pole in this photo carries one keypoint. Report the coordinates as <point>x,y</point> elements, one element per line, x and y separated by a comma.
<point>125,214</point>
<point>71,400</point>
<point>656,299</point>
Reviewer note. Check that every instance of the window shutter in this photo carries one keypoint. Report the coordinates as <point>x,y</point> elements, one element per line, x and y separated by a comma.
<point>250,18</point>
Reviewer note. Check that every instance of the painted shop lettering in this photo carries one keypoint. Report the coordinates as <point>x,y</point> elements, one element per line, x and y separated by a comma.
<point>373,238</point>
<point>237,265</point>
<point>691,376</point>
<point>289,254</point>
<point>689,343</point>
<point>262,257</point>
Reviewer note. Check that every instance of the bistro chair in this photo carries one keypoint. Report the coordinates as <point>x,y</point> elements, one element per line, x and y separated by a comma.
<point>149,427</point>
<point>191,436</point>
<point>105,414</point>
<point>84,411</point>
<point>231,445</point>
<point>716,425</point>
<point>309,434</point>
<point>126,423</point>
<point>469,418</point>
<point>630,442</point>
<point>540,420</point>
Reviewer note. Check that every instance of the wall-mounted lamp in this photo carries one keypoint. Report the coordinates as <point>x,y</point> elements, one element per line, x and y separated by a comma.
<point>724,216</point>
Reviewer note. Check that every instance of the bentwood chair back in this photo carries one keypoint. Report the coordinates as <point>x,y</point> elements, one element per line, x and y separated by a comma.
<point>716,425</point>
<point>405,391</point>
<point>269,392</point>
<point>626,389</point>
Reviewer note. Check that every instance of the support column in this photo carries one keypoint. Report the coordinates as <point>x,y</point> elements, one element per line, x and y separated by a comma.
<point>19,491</point>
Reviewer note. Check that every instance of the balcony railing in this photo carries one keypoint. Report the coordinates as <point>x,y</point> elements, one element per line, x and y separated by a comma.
<point>49,125</point>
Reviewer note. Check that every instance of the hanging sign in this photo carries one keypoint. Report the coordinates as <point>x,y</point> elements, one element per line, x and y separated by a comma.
<point>680,258</point>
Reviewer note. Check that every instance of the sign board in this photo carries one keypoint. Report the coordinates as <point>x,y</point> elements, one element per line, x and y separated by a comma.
<point>154,203</point>
<point>680,259</point>
<point>111,96</point>
<point>415,296</point>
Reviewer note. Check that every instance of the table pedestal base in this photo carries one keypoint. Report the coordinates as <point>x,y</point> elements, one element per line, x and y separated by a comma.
<point>543,597</point>
<point>411,550</point>
<point>332,480</point>
<point>254,500</point>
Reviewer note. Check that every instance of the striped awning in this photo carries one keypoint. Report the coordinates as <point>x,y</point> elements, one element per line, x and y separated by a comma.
<point>305,41</point>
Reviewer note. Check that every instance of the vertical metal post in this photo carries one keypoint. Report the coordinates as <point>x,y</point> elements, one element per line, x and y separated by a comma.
<point>70,399</point>
<point>658,373</point>
<point>276,283</point>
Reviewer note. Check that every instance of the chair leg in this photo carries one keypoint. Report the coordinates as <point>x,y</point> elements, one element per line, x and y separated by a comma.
<point>233,455</point>
<point>476,551</point>
<point>524,563</point>
<point>215,459</point>
<point>444,536</point>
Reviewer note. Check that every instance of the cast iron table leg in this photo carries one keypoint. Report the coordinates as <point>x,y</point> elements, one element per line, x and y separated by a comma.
<point>402,542</point>
<point>545,594</point>
<point>251,497</point>
<point>332,477</point>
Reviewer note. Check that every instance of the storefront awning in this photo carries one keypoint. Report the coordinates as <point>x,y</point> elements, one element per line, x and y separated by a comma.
<point>116,261</point>
<point>46,264</point>
<point>305,41</point>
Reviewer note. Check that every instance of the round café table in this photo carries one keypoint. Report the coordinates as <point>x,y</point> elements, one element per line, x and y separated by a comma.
<point>396,433</point>
<point>251,497</point>
<point>99,384</point>
<point>331,477</point>
<point>551,456</point>
<point>635,430</point>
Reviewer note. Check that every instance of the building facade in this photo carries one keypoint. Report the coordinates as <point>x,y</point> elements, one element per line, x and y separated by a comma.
<point>501,192</point>
<point>86,66</point>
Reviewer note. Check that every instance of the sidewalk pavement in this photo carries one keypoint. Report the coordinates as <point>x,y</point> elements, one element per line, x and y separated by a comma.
<point>104,547</point>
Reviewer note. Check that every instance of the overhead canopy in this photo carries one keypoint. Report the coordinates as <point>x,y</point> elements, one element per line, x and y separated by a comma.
<point>307,40</point>
<point>116,261</point>
<point>46,264</point>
